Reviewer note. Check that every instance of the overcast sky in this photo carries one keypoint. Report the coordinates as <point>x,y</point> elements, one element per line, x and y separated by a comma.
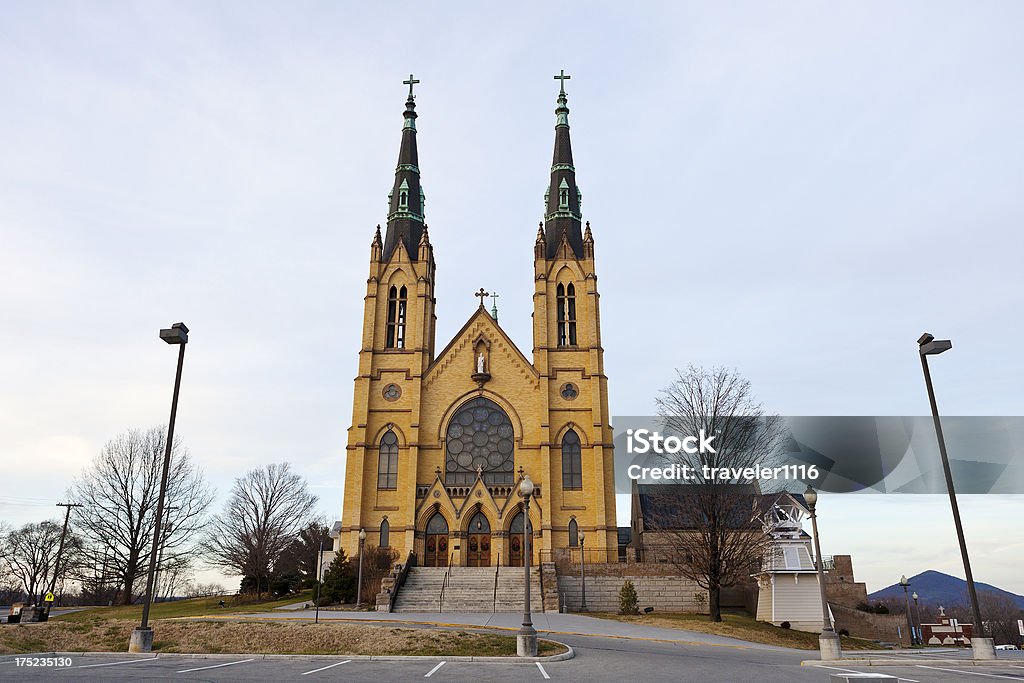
<point>797,190</point>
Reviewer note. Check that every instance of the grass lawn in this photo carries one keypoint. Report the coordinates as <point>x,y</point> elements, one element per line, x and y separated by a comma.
<point>737,624</point>
<point>186,608</point>
<point>246,637</point>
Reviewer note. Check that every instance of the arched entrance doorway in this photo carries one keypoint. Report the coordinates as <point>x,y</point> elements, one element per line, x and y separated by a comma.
<point>478,542</point>
<point>515,541</point>
<point>436,548</point>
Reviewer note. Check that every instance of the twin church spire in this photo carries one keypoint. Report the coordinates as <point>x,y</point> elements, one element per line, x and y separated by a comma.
<point>562,216</point>
<point>406,200</point>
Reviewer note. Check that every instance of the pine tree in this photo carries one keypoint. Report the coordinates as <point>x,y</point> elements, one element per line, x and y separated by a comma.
<point>339,581</point>
<point>627,599</point>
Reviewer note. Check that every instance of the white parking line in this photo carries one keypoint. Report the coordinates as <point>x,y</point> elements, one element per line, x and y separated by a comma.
<point>215,666</point>
<point>325,668</point>
<point>542,671</point>
<point>431,672</point>
<point>127,661</point>
<point>851,671</point>
<point>970,673</point>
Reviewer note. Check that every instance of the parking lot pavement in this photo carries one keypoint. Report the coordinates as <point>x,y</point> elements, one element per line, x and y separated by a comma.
<point>597,659</point>
<point>243,668</point>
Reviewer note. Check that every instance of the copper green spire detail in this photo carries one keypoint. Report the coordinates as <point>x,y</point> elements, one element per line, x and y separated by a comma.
<point>405,202</point>
<point>562,199</point>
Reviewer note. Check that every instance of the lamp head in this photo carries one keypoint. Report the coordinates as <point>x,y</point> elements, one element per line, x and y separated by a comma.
<point>526,486</point>
<point>362,534</point>
<point>811,496</point>
<point>176,334</point>
<point>903,581</point>
<point>583,537</point>
<point>914,596</point>
<point>930,346</point>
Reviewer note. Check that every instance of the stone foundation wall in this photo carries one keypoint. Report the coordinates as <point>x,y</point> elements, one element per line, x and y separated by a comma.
<point>663,593</point>
<point>890,628</point>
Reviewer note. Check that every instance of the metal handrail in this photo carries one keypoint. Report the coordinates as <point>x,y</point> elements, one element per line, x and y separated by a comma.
<point>444,584</point>
<point>494,601</point>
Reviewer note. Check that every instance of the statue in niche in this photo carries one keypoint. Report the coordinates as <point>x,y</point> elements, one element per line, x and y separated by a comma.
<point>481,364</point>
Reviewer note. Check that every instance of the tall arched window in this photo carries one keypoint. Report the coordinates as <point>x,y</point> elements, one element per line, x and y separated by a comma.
<point>385,534</point>
<point>572,466</point>
<point>574,534</point>
<point>566,314</point>
<point>387,462</point>
<point>396,318</point>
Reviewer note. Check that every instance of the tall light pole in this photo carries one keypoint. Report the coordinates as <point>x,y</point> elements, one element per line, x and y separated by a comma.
<point>166,528</point>
<point>359,583</point>
<point>583,574</point>
<point>526,639</point>
<point>910,620</point>
<point>828,641</point>
<point>319,579</point>
<point>142,636</point>
<point>917,620</point>
<point>928,345</point>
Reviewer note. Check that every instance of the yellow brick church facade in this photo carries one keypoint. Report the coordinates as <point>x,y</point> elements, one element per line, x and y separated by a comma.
<point>440,438</point>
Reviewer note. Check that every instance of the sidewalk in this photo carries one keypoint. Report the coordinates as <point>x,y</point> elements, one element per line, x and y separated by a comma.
<point>544,622</point>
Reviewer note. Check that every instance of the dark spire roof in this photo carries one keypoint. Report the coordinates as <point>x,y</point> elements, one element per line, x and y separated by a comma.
<point>405,203</point>
<point>562,200</point>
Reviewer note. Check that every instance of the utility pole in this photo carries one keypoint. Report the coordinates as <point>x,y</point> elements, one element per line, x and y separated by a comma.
<point>60,548</point>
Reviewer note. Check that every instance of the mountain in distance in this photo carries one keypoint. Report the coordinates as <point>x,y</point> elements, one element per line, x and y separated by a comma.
<point>936,588</point>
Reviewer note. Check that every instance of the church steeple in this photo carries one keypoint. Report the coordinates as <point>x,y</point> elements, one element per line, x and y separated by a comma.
<point>562,199</point>
<point>405,203</point>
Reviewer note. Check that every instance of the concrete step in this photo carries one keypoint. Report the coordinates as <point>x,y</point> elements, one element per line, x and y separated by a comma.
<point>469,589</point>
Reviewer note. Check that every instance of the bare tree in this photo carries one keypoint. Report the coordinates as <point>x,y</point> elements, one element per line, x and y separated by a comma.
<point>716,526</point>
<point>119,491</point>
<point>1001,614</point>
<point>30,555</point>
<point>267,508</point>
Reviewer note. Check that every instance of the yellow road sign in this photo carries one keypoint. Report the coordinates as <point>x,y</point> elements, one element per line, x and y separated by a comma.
<point>49,597</point>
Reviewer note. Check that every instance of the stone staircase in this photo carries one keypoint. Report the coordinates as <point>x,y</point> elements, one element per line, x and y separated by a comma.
<point>469,589</point>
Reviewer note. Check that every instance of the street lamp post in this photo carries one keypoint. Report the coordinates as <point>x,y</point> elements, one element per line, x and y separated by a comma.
<point>142,636</point>
<point>828,641</point>
<point>359,584</point>
<point>526,639</point>
<point>928,345</point>
<point>917,621</point>
<point>319,579</point>
<point>910,620</point>
<point>583,573</point>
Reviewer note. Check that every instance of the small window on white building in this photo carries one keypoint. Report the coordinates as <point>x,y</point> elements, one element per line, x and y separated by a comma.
<point>792,555</point>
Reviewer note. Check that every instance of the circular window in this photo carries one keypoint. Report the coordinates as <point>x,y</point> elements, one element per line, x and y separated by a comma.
<point>569,391</point>
<point>479,437</point>
<point>392,392</point>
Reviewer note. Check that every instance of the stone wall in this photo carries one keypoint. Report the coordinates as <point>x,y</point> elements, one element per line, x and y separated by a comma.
<point>663,593</point>
<point>890,628</point>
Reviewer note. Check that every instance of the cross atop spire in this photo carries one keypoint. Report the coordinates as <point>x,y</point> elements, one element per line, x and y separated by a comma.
<point>482,295</point>
<point>411,82</point>
<point>560,77</point>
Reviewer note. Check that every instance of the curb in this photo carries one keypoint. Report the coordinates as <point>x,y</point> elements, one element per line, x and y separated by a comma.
<point>568,654</point>
<point>912,662</point>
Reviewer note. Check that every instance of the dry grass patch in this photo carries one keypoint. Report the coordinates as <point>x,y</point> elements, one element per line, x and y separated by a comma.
<point>738,625</point>
<point>247,637</point>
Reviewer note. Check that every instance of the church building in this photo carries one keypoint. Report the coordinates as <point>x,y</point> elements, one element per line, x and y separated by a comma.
<point>441,436</point>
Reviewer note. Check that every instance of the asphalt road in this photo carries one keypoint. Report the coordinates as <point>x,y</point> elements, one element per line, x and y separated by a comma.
<point>597,659</point>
